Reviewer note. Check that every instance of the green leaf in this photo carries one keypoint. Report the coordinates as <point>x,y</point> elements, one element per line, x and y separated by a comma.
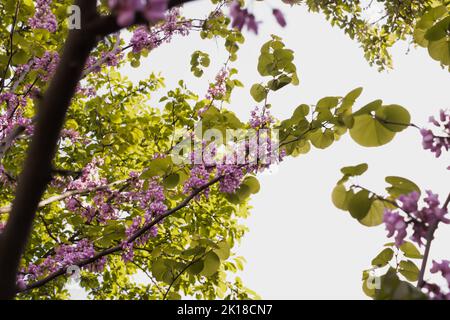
<point>440,51</point>
<point>349,100</point>
<point>211,264</point>
<point>171,181</point>
<point>321,139</point>
<point>369,291</point>
<point>20,57</point>
<point>410,251</point>
<point>157,167</point>
<point>355,170</point>
<point>223,251</point>
<point>196,267</point>
<point>375,215</point>
<point>393,116</point>
<point>392,288</point>
<point>400,186</point>
<point>369,108</point>
<point>383,258</point>
<point>158,269</point>
<point>359,205</point>
<point>369,132</point>
<point>300,112</point>
<point>409,270</point>
<point>265,64</point>
<point>341,197</point>
<point>439,30</point>
<point>252,183</point>
<point>258,92</point>
<point>327,103</point>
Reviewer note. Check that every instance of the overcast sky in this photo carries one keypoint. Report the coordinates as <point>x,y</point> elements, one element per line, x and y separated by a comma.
<point>299,245</point>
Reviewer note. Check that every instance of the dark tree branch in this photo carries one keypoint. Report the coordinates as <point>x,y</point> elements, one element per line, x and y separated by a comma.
<point>50,119</point>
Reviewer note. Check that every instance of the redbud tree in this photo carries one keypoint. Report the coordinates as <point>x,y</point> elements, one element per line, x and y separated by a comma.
<point>98,177</point>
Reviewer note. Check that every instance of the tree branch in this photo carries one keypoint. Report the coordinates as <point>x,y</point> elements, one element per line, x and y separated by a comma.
<point>50,119</point>
<point>131,239</point>
<point>430,237</point>
<point>37,168</point>
<point>66,195</point>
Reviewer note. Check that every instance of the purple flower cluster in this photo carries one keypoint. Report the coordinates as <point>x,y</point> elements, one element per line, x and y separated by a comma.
<point>45,65</point>
<point>421,219</point>
<point>443,267</point>
<point>233,175</point>
<point>198,178</point>
<point>112,58</point>
<point>153,10</point>
<point>43,17</point>
<point>218,89</point>
<point>435,292</point>
<point>395,224</point>
<point>150,199</point>
<point>63,257</point>
<point>101,210</point>
<point>90,177</point>
<point>437,143</point>
<point>152,202</point>
<point>145,38</point>
<point>260,119</point>
<point>12,115</point>
<point>241,17</point>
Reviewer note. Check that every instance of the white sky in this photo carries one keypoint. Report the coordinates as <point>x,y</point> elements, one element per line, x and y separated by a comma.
<point>299,245</point>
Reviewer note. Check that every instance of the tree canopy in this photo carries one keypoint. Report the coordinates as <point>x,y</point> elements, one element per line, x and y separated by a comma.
<point>96,178</point>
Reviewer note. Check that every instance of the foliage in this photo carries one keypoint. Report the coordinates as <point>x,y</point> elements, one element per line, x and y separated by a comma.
<point>118,204</point>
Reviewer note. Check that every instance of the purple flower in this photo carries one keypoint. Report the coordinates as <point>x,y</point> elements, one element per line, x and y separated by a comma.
<point>155,9</point>
<point>444,268</point>
<point>144,38</point>
<point>232,179</point>
<point>218,89</point>
<point>395,224</point>
<point>437,143</point>
<point>64,256</point>
<point>126,10</point>
<point>43,17</point>
<point>252,25</point>
<point>260,119</point>
<point>409,201</point>
<point>421,219</point>
<point>198,178</point>
<point>238,15</point>
<point>279,17</point>
<point>241,17</point>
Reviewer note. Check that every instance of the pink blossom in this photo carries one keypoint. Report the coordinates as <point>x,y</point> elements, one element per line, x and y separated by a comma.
<point>43,17</point>
<point>421,219</point>
<point>279,17</point>
<point>395,224</point>
<point>153,10</point>
<point>241,17</point>
<point>438,142</point>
